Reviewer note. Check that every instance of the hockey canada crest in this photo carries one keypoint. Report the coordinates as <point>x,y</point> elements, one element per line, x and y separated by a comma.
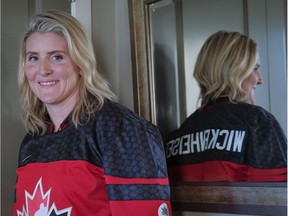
<point>163,210</point>
<point>37,204</point>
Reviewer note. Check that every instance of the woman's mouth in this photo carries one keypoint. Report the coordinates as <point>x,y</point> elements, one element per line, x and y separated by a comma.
<point>48,83</point>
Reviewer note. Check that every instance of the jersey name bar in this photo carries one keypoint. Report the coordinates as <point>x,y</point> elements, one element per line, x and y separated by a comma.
<point>229,140</point>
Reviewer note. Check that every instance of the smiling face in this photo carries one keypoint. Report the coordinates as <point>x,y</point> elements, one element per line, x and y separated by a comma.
<point>51,73</point>
<point>250,83</point>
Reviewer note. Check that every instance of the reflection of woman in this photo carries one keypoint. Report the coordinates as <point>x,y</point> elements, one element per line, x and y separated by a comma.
<point>228,138</point>
<point>84,154</point>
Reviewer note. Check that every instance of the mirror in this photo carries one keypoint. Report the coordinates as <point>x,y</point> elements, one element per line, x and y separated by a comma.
<point>167,36</point>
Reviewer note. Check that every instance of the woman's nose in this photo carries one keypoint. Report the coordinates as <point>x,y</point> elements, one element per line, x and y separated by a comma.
<point>260,79</point>
<point>44,68</point>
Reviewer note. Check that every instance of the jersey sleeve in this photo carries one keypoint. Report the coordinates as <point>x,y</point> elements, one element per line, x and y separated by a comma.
<point>135,168</point>
<point>266,150</point>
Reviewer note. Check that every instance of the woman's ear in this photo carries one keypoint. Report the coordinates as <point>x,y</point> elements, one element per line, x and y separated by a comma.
<point>81,73</point>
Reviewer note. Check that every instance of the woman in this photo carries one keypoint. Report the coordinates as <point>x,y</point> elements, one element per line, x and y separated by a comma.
<point>228,138</point>
<point>84,154</point>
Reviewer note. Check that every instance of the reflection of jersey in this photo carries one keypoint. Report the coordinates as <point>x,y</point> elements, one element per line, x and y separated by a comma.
<point>112,165</point>
<point>228,142</point>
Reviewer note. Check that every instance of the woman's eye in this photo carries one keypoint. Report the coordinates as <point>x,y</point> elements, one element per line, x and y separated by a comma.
<point>256,68</point>
<point>32,58</point>
<point>57,57</point>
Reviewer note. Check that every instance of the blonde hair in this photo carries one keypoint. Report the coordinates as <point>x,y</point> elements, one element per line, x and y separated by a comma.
<point>93,87</point>
<point>224,61</point>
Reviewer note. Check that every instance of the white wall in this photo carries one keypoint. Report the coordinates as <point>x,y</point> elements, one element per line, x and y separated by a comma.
<point>112,44</point>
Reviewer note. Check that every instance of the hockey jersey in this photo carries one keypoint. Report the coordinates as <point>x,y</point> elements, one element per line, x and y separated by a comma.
<point>228,142</point>
<point>113,165</point>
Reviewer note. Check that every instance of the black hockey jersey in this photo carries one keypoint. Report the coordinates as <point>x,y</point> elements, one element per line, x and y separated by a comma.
<point>228,142</point>
<point>112,165</point>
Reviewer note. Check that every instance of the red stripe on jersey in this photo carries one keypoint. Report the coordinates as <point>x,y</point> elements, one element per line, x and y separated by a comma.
<point>152,207</point>
<point>261,175</point>
<point>210,171</point>
<point>119,180</point>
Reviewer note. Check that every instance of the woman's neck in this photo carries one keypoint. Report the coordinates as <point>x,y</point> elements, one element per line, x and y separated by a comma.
<point>58,113</point>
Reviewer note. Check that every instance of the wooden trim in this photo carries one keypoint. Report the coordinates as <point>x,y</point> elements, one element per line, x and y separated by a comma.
<point>143,85</point>
<point>239,197</point>
<point>139,58</point>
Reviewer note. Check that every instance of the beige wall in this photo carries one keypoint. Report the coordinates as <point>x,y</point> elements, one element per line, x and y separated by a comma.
<point>11,126</point>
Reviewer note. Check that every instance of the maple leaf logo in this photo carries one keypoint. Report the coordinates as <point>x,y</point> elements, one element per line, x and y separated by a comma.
<point>37,204</point>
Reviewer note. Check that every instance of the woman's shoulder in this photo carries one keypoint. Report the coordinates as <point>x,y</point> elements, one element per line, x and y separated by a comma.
<point>229,116</point>
<point>242,115</point>
<point>114,119</point>
<point>116,114</point>
<point>112,109</point>
<point>253,116</point>
<point>251,111</point>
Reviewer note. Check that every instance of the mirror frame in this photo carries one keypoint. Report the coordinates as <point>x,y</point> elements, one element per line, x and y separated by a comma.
<point>143,82</point>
